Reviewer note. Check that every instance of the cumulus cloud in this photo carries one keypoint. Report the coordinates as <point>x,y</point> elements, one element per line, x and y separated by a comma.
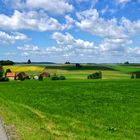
<point>33,20</point>
<point>57,7</point>
<point>11,38</point>
<point>90,21</point>
<point>116,34</point>
<point>68,40</point>
<point>117,46</point>
<point>67,45</point>
<point>132,27</point>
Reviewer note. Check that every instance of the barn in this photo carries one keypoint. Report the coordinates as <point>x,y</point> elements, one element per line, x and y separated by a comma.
<point>45,74</point>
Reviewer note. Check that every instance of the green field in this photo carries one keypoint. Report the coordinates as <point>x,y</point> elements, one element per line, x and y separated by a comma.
<point>70,71</point>
<point>74,109</point>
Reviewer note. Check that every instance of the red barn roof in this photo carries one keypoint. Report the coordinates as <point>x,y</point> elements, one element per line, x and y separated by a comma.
<point>10,74</point>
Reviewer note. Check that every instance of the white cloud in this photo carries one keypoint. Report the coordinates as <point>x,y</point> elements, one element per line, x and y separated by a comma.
<point>110,45</point>
<point>33,20</point>
<point>63,39</point>
<point>132,27</point>
<point>57,7</point>
<point>67,45</point>
<point>108,10</point>
<point>122,1</point>
<point>70,48</point>
<point>11,38</point>
<point>67,40</point>
<point>90,21</point>
<point>134,52</point>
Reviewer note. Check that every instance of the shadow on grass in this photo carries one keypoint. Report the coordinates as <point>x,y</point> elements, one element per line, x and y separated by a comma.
<point>83,67</point>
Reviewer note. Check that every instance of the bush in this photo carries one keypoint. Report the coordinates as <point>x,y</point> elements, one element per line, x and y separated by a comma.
<point>40,78</point>
<point>137,75</point>
<point>4,79</point>
<point>62,78</point>
<point>7,71</point>
<point>96,75</point>
<point>77,65</point>
<point>132,76</point>
<point>27,77</point>
<point>55,77</point>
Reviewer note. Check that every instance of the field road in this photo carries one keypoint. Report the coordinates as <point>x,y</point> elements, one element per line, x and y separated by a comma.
<point>3,135</point>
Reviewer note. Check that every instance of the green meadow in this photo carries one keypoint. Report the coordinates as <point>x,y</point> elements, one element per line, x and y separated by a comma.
<point>74,109</point>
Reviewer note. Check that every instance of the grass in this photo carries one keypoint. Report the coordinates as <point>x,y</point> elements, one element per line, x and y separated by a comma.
<point>72,109</point>
<point>75,109</point>
<point>126,68</point>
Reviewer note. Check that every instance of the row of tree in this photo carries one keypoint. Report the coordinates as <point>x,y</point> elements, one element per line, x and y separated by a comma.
<point>6,62</point>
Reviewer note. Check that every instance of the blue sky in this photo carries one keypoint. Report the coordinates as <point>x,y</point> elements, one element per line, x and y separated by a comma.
<point>92,31</point>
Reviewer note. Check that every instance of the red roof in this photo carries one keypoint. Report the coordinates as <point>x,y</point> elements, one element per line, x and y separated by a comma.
<point>10,74</point>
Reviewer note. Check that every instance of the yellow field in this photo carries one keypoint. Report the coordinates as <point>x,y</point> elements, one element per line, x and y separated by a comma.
<point>24,68</point>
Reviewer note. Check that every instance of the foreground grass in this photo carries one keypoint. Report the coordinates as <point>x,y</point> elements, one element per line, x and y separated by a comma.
<point>72,109</point>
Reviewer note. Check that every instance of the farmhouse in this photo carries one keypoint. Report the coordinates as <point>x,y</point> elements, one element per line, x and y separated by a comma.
<point>45,74</point>
<point>16,75</point>
<point>11,75</point>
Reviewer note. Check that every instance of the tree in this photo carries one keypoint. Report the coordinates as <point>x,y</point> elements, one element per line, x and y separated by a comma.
<point>132,76</point>
<point>29,61</point>
<point>126,62</point>
<point>1,71</point>
<point>67,62</point>
<point>77,65</point>
<point>6,62</point>
<point>96,75</point>
<point>7,70</point>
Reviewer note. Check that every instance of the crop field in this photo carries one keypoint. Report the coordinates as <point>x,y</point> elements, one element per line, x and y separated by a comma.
<point>109,71</point>
<point>74,109</point>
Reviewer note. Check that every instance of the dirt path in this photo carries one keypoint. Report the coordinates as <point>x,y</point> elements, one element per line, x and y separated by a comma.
<point>3,135</point>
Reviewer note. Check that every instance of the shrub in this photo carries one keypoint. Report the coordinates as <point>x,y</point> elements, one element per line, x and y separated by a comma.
<point>40,78</point>
<point>7,71</point>
<point>1,71</point>
<point>62,78</point>
<point>55,77</point>
<point>137,75</point>
<point>27,77</point>
<point>4,79</point>
<point>77,65</point>
<point>96,75</point>
<point>132,76</point>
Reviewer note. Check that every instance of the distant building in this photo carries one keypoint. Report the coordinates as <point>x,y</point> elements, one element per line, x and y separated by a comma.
<point>16,75</point>
<point>11,75</point>
<point>45,74</point>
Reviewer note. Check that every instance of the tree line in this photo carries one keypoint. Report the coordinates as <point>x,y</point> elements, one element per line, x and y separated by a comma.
<point>6,62</point>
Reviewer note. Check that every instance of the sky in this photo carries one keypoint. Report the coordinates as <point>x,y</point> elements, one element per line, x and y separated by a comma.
<point>84,31</point>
